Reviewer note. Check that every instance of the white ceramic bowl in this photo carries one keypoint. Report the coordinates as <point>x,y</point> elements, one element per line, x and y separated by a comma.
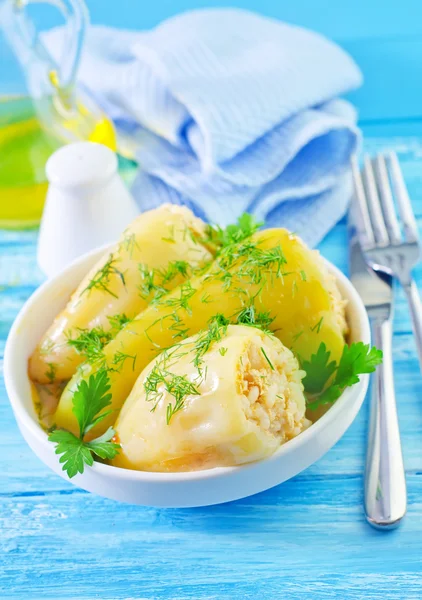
<point>197,488</point>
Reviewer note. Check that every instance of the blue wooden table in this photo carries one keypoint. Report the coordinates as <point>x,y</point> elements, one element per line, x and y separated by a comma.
<point>304,540</point>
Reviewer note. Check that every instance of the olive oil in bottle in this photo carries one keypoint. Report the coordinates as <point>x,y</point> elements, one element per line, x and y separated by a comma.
<point>25,146</point>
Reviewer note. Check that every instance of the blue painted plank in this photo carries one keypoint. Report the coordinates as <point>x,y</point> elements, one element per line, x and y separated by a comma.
<point>296,541</point>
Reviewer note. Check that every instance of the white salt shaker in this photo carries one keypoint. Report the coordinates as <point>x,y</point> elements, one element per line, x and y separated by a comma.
<point>87,204</point>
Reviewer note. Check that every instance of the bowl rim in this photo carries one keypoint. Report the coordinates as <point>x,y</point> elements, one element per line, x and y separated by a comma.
<point>25,419</point>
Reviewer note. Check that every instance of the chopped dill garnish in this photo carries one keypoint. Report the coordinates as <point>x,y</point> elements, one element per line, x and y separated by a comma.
<point>303,275</point>
<point>51,372</point>
<point>117,322</point>
<point>318,326</point>
<point>217,327</point>
<point>245,227</point>
<point>267,359</point>
<point>249,316</point>
<point>147,285</point>
<point>154,282</point>
<point>147,275</point>
<point>129,243</point>
<point>90,343</point>
<point>259,259</point>
<point>232,234</point>
<point>206,299</point>
<point>178,327</point>
<point>147,335</point>
<point>101,280</point>
<point>159,381</point>
<point>186,293</point>
<point>297,336</point>
<point>174,268</point>
<point>119,359</point>
<point>223,351</point>
<point>252,263</point>
<point>239,291</point>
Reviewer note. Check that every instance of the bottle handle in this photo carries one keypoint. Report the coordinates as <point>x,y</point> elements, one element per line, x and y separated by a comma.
<point>26,41</point>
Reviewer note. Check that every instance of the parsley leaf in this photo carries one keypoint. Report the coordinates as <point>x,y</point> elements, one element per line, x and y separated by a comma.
<point>89,402</point>
<point>318,370</point>
<point>89,399</point>
<point>102,447</point>
<point>73,450</point>
<point>356,359</point>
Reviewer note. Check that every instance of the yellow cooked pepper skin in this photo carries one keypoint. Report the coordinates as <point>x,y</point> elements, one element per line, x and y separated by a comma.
<point>220,424</point>
<point>301,296</point>
<point>155,239</point>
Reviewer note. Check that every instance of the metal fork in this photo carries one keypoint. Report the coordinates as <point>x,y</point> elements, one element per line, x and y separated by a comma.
<point>385,483</point>
<point>384,247</point>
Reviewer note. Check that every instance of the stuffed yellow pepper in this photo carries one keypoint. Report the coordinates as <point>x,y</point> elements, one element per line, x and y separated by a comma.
<point>157,252</point>
<point>235,402</point>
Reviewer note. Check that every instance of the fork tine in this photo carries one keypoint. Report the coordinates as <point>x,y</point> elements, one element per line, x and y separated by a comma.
<point>374,206</point>
<point>402,197</point>
<point>386,197</point>
<point>362,214</point>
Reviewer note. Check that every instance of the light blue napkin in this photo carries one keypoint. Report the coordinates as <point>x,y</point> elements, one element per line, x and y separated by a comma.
<point>231,112</point>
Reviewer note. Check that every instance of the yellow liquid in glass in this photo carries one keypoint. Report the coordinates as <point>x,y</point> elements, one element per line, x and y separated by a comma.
<point>24,149</point>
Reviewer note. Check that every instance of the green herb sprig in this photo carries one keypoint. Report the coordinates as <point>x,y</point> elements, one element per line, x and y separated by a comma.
<point>155,282</point>
<point>253,318</point>
<point>222,237</point>
<point>326,380</point>
<point>90,342</point>
<point>101,279</point>
<point>89,401</point>
<point>51,372</point>
<point>217,327</point>
<point>249,263</point>
<point>178,386</point>
<point>267,359</point>
<point>182,302</point>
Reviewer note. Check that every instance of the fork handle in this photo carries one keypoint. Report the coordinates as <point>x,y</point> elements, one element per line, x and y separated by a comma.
<point>385,483</point>
<point>415,306</point>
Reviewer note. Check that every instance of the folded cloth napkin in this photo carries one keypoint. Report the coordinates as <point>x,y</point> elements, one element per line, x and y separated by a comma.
<point>230,112</point>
